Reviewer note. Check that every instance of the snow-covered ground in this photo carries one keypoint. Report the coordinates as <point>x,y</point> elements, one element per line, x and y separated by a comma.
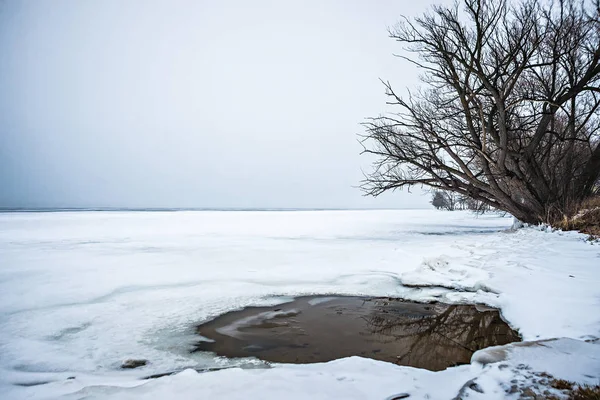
<point>82,291</point>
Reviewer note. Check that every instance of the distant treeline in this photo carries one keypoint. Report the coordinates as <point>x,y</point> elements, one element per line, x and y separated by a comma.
<point>444,200</point>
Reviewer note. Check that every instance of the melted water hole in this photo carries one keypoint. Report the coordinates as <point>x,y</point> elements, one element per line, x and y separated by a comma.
<point>317,329</point>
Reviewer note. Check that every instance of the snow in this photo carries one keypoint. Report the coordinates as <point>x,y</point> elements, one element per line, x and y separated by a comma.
<point>349,378</point>
<point>82,291</point>
<point>563,358</point>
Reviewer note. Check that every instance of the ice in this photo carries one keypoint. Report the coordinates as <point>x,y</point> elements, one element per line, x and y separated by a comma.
<point>320,300</point>
<point>233,329</point>
<point>82,291</point>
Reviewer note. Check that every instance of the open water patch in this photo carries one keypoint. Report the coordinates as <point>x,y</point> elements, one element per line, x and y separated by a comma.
<point>314,329</point>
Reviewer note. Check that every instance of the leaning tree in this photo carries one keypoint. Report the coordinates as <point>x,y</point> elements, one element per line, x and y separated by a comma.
<point>509,113</point>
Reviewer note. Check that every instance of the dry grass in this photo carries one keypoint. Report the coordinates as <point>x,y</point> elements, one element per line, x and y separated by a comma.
<point>561,384</point>
<point>587,220</point>
<point>572,390</point>
<point>585,393</point>
<point>591,202</point>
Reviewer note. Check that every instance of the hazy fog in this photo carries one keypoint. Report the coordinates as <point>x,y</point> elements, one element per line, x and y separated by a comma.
<point>193,103</point>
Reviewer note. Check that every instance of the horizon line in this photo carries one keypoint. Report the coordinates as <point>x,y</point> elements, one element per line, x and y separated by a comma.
<point>173,209</point>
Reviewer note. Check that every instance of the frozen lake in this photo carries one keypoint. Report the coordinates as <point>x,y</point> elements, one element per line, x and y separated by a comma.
<point>82,291</point>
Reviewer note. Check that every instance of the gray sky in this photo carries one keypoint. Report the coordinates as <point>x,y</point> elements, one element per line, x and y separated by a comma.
<point>193,103</point>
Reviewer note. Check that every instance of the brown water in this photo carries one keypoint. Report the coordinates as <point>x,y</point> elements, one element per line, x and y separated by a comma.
<point>317,329</point>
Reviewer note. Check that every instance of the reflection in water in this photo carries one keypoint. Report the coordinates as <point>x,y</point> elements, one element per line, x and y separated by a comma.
<point>432,336</point>
<point>449,336</point>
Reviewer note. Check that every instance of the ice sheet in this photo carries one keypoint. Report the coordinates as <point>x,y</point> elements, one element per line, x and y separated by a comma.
<point>82,291</point>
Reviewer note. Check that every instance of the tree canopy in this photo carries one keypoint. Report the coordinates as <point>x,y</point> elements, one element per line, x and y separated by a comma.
<point>509,110</point>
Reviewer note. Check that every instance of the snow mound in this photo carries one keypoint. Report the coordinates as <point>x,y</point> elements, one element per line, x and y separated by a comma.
<point>568,359</point>
<point>438,271</point>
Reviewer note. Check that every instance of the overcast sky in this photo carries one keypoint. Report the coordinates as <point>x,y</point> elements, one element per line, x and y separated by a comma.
<point>193,103</point>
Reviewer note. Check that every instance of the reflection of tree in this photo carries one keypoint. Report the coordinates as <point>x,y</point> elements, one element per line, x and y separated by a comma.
<point>431,340</point>
<point>431,336</point>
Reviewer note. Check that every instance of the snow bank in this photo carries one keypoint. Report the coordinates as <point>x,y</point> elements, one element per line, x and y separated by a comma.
<point>350,378</point>
<point>506,370</point>
<point>568,359</point>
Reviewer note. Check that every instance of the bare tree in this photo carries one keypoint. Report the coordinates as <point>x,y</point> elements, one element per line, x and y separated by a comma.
<point>509,114</point>
<point>445,200</point>
<point>438,200</point>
